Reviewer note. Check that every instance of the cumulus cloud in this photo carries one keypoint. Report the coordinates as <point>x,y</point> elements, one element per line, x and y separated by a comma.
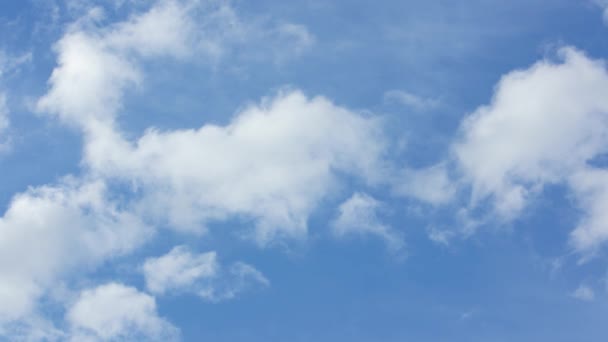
<point>182,271</point>
<point>358,215</point>
<point>274,163</point>
<point>56,230</point>
<point>53,231</point>
<point>115,312</point>
<point>95,65</point>
<point>168,28</point>
<point>545,125</point>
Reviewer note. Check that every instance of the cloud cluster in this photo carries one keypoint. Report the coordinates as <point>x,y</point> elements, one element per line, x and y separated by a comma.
<point>272,164</point>
<point>56,230</point>
<point>72,227</point>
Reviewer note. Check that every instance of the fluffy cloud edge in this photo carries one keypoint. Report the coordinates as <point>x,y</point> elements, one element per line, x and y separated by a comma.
<point>507,154</point>
<point>117,312</point>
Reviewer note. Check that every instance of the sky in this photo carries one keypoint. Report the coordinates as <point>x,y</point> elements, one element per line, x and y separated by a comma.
<point>214,170</point>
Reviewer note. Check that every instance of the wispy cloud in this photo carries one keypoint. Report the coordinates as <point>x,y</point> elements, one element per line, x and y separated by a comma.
<point>603,4</point>
<point>584,293</point>
<point>182,271</point>
<point>411,100</point>
<point>358,216</point>
<point>4,122</point>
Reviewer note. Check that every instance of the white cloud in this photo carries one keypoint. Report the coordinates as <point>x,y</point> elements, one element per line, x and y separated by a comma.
<point>358,216</point>
<point>181,271</point>
<point>274,163</point>
<point>168,28</point>
<point>95,65</point>
<point>408,99</point>
<point>584,293</point>
<point>88,83</point>
<point>544,125</point>
<point>115,312</point>
<point>54,231</point>
<point>431,185</point>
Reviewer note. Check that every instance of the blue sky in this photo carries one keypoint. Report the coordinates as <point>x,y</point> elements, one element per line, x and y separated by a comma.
<point>209,170</point>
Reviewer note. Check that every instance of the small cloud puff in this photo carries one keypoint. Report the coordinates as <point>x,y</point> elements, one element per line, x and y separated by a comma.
<point>584,293</point>
<point>358,215</point>
<point>182,271</point>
